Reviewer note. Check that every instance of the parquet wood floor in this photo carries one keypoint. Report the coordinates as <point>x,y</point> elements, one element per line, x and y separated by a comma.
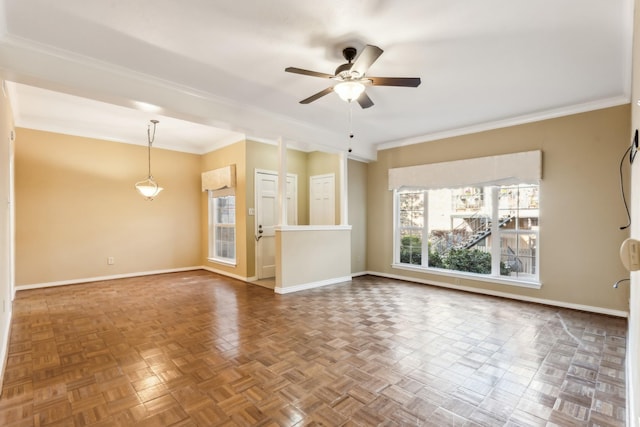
<point>198,349</point>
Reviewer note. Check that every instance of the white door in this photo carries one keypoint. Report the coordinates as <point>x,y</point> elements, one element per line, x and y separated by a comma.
<point>266,216</point>
<point>322,199</point>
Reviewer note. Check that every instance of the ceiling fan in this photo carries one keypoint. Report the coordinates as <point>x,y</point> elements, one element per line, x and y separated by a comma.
<point>351,77</point>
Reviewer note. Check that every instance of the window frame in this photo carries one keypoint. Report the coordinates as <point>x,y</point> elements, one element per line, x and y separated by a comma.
<point>496,255</point>
<point>215,226</point>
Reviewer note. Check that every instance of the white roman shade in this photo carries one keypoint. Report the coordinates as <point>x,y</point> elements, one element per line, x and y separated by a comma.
<point>506,169</point>
<point>219,179</point>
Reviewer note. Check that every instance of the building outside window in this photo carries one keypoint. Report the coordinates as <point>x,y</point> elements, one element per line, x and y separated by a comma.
<point>222,228</point>
<point>488,231</point>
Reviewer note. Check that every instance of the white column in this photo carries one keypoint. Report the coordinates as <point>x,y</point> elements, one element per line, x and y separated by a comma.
<point>282,182</point>
<point>344,183</point>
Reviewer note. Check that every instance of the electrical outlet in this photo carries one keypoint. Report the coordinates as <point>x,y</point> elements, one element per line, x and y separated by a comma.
<point>111,260</point>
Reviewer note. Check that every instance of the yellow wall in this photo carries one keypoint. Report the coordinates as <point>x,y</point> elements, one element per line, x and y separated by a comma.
<point>76,205</point>
<point>580,205</point>
<point>234,154</point>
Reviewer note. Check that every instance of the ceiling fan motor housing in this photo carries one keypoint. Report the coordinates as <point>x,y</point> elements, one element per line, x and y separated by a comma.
<point>349,54</point>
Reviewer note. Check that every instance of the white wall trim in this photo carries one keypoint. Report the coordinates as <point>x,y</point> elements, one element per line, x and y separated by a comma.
<point>360,273</point>
<point>633,419</point>
<point>311,285</point>
<point>563,304</point>
<point>103,278</point>
<point>514,121</point>
<point>4,348</point>
<point>226,273</point>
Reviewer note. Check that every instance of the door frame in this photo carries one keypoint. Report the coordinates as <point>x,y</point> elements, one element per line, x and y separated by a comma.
<point>256,213</point>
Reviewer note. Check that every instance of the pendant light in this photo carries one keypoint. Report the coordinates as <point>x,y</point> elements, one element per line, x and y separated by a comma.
<point>148,188</point>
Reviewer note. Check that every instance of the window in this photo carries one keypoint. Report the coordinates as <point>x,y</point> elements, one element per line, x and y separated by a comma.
<point>491,231</point>
<point>222,228</point>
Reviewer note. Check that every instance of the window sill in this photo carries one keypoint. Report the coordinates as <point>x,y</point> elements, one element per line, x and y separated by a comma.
<point>531,284</point>
<point>222,261</point>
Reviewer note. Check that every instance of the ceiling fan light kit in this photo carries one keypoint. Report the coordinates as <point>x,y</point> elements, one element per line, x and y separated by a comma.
<point>351,77</point>
<point>349,90</point>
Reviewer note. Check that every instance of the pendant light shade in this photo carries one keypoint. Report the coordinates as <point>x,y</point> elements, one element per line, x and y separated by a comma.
<point>149,188</point>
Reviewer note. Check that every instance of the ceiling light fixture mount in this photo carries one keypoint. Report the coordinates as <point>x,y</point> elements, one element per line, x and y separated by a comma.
<point>148,188</point>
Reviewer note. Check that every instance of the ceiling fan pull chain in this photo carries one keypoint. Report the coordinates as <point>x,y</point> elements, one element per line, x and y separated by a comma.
<point>350,125</point>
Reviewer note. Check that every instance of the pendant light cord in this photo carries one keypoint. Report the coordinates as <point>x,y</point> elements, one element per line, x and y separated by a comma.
<point>151,138</point>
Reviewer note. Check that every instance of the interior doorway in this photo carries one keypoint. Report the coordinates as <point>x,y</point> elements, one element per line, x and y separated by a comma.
<point>322,199</point>
<point>266,218</point>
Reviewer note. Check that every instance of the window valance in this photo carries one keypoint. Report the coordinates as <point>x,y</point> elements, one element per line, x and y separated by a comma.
<point>219,179</point>
<point>506,169</point>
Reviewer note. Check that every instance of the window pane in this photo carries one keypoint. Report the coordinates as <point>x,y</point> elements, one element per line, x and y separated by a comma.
<point>518,255</point>
<point>411,247</point>
<point>411,215</point>
<point>519,209</point>
<point>223,218</point>
<point>459,230</point>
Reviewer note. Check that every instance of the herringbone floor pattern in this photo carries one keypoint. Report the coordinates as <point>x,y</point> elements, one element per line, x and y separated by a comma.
<point>195,348</point>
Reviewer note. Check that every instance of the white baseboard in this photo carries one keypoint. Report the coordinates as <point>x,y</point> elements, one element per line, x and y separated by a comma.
<point>563,304</point>
<point>361,273</point>
<point>226,273</point>
<point>103,278</point>
<point>311,285</point>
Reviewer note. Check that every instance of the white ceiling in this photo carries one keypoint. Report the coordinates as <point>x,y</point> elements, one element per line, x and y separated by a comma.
<point>213,72</point>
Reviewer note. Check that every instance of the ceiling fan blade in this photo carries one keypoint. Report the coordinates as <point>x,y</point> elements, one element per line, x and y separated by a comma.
<point>317,95</point>
<point>395,81</point>
<point>308,72</point>
<point>367,57</point>
<point>365,101</point>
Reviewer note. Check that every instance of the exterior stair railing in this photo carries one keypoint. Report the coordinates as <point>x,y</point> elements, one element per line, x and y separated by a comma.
<point>481,234</point>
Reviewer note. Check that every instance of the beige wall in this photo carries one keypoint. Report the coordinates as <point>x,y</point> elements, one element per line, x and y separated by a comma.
<point>76,205</point>
<point>581,209</point>
<point>357,212</point>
